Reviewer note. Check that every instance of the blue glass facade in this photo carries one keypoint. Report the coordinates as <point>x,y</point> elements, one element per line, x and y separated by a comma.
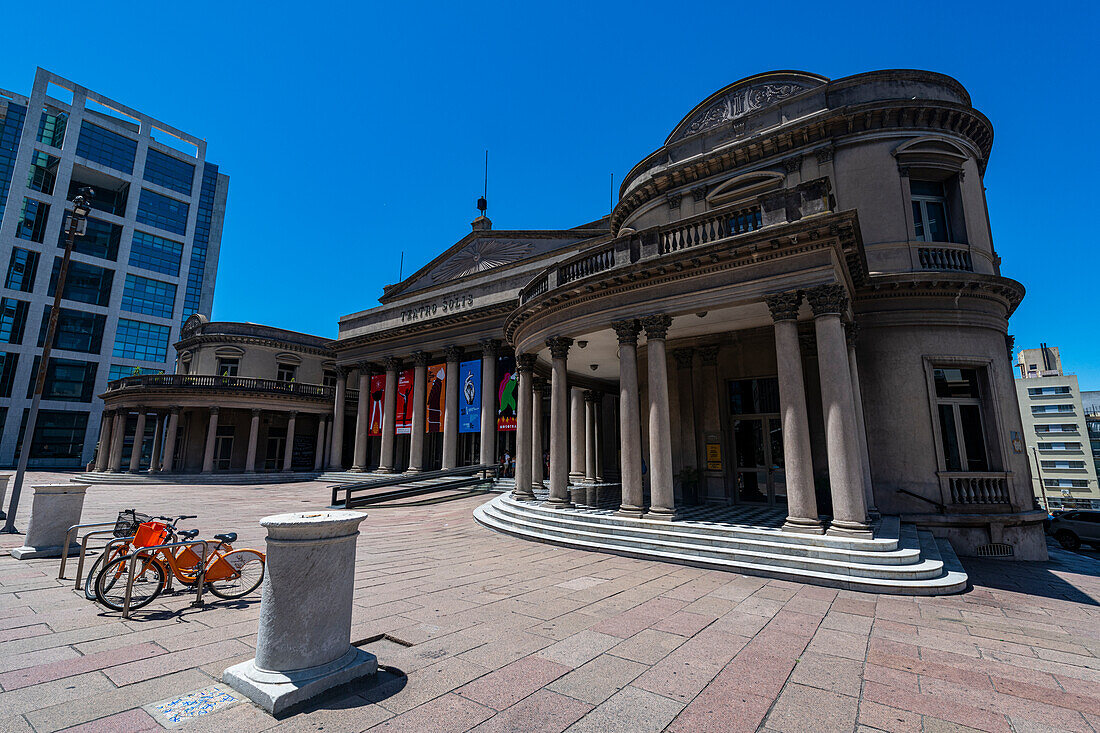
<point>156,253</point>
<point>13,320</point>
<point>51,128</point>
<point>162,212</point>
<point>32,220</point>
<point>148,296</point>
<point>11,131</point>
<point>164,170</point>
<point>43,172</point>
<point>118,371</point>
<point>100,240</point>
<point>201,240</point>
<point>22,268</point>
<point>107,148</point>
<point>141,340</point>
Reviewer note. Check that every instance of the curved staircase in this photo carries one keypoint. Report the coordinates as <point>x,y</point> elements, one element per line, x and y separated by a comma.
<point>900,558</point>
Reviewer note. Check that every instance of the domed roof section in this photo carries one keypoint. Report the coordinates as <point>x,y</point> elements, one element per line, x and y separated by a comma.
<point>743,98</point>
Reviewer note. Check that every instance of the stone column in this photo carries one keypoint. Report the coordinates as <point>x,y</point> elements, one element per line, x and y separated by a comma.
<point>211,435</point>
<point>139,440</point>
<point>489,349</point>
<point>838,405</point>
<point>630,446</point>
<point>304,642</point>
<point>114,463</point>
<point>253,439</point>
<point>158,438</point>
<point>288,449</point>
<point>170,439</point>
<point>577,442</point>
<point>525,366</point>
<point>453,355</point>
<point>361,417</point>
<point>336,452</point>
<point>661,487</point>
<point>389,415</point>
<point>559,408</point>
<point>797,461</point>
<point>420,411</point>
<point>54,509</point>
<point>538,390</point>
<point>852,331</point>
<point>591,398</point>
<point>102,458</point>
<point>319,450</point>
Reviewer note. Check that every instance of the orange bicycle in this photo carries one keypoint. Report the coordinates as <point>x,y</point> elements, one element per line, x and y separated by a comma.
<point>228,573</point>
<point>127,525</point>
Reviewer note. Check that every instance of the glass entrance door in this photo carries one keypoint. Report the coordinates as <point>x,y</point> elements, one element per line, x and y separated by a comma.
<point>757,442</point>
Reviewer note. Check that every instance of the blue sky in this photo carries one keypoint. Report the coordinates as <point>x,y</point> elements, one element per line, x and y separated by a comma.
<point>355,132</point>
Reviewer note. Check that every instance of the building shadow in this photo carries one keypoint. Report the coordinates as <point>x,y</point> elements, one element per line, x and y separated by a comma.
<point>387,682</point>
<point>1054,578</point>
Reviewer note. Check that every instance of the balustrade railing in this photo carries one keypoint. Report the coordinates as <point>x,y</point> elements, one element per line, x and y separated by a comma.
<point>536,288</point>
<point>589,263</point>
<point>942,258</point>
<point>209,381</point>
<point>708,228</point>
<point>975,488</point>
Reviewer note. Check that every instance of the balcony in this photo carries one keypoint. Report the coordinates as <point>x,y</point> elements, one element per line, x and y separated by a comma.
<point>974,489</point>
<point>202,382</point>
<point>944,259</point>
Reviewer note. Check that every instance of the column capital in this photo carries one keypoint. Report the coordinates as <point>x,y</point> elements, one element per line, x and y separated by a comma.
<point>366,367</point>
<point>626,331</point>
<point>784,306</point>
<point>342,370</point>
<point>421,358</point>
<point>214,410</point>
<point>559,346</point>
<point>391,363</point>
<point>175,409</point>
<point>526,362</point>
<point>540,385</point>
<point>684,357</point>
<point>292,414</point>
<point>591,395</point>
<point>490,347</point>
<point>828,299</point>
<point>851,334</point>
<point>453,353</point>
<point>709,354</point>
<point>656,326</point>
<point>256,413</point>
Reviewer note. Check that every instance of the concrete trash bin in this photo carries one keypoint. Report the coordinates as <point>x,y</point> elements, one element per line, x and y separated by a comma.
<point>54,509</point>
<point>304,643</point>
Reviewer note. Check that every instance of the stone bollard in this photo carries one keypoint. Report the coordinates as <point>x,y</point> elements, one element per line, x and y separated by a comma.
<point>4,479</point>
<point>304,643</point>
<point>55,508</point>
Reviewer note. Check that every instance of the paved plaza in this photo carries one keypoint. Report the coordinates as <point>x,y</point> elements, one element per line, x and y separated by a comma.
<point>481,631</point>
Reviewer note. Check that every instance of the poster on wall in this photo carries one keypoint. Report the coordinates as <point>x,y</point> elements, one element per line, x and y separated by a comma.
<point>404,402</point>
<point>377,401</point>
<point>469,397</point>
<point>507,390</point>
<point>437,390</point>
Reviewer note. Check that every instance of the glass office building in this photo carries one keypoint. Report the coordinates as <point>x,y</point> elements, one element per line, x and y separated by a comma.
<point>147,262</point>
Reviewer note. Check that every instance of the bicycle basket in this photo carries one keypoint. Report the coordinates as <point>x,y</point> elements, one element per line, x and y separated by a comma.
<point>128,521</point>
<point>150,534</point>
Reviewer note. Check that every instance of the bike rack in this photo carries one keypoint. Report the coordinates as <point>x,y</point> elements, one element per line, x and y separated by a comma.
<point>84,551</point>
<point>69,539</point>
<point>198,580</point>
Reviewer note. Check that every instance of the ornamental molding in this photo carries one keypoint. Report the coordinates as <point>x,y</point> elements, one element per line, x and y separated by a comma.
<point>423,328</point>
<point>626,331</point>
<point>1004,291</point>
<point>481,255</point>
<point>526,362</point>
<point>737,103</point>
<point>559,346</point>
<point>784,306</point>
<point>830,299</point>
<point>656,326</point>
<point>189,343</point>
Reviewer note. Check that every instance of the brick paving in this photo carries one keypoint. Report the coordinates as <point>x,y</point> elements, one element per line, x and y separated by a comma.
<point>486,632</point>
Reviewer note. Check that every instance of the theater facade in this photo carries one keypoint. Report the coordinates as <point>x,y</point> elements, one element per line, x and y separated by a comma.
<point>792,328</point>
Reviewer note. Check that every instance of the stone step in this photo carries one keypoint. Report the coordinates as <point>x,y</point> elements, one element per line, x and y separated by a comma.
<point>924,575</point>
<point>720,537</point>
<point>235,479</point>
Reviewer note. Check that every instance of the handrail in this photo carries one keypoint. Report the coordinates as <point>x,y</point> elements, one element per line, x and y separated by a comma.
<point>68,539</point>
<point>708,227</point>
<point>933,502</point>
<point>132,557</point>
<point>404,478</point>
<point>211,381</point>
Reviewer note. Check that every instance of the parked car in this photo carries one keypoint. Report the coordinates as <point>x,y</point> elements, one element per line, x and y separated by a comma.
<point>1073,528</point>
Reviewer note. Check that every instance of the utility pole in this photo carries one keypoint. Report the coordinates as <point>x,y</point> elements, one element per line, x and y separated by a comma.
<point>77,225</point>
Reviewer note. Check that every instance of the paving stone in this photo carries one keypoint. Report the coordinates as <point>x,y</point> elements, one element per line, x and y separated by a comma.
<point>78,665</point>
<point>168,662</point>
<point>808,709</point>
<point>513,682</point>
<point>630,709</point>
<point>648,646</point>
<point>443,714</point>
<point>543,712</point>
<point>131,721</point>
<point>836,674</point>
<point>598,679</point>
<point>579,648</point>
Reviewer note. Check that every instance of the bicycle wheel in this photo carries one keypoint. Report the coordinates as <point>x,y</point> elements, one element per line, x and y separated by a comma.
<point>97,566</point>
<point>110,584</point>
<point>243,572</point>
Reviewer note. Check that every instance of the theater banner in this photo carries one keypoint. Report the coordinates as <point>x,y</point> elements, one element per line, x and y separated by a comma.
<point>507,391</point>
<point>437,390</point>
<point>404,402</point>
<point>377,402</point>
<point>469,397</point>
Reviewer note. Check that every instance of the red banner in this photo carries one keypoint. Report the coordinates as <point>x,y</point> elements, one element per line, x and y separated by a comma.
<point>376,404</point>
<point>437,391</point>
<point>404,402</point>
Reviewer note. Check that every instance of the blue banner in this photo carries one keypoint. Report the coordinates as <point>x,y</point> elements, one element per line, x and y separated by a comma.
<point>469,397</point>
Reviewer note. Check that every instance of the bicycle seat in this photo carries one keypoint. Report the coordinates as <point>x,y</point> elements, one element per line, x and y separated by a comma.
<point>228,537</point>
<point>186,534</point>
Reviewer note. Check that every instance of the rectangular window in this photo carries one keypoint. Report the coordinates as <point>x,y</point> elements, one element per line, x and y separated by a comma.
<point>32,220</point>
<point>1039,409</point>
<point>22,268</point>
<point>1056,428</point>
<point>228,367</point>
<point>109,198</point>
<point>959,407</point>
<point>1036,391</point>
<point>1059,446</point>
<point>13,320</point>
<point>156,253</point>
<point>76,330</point>
<point>101,239</point>
<point>43,172</point>
<point>201,241</point>
<point>164,170</point>
<point>141,340</point>
<point>929,211</point>
<point>51,128</point>
<point>67,380</point>
<point>58,438</point>
<point>148,296</point>
<point>8,362</point>
<point>83,283</point>
<point>1066,483</point>
<point>107,148</point>
<point>162,212</point>
<point>329,378</point>
<point>118,371</point>
<point>12,116</point>
<point>286,372</point>
<point>754,396</point>
<point>1063,464</point>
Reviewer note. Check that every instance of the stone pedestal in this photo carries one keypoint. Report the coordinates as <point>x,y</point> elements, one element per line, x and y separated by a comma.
<point>304,642</point>
<point>54,509</point>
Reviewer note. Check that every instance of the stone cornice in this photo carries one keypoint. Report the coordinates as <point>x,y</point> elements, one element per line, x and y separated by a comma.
<point>202,339</point>
<point>426,326</point>
<point>1005,291</point>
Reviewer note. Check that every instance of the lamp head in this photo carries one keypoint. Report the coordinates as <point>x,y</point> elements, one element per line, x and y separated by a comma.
<point>81,205</point>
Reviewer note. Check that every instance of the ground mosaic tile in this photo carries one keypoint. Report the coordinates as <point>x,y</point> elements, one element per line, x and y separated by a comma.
<point>176,711</point>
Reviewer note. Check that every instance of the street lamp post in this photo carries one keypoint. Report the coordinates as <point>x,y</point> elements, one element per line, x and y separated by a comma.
<point>76,227</point>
